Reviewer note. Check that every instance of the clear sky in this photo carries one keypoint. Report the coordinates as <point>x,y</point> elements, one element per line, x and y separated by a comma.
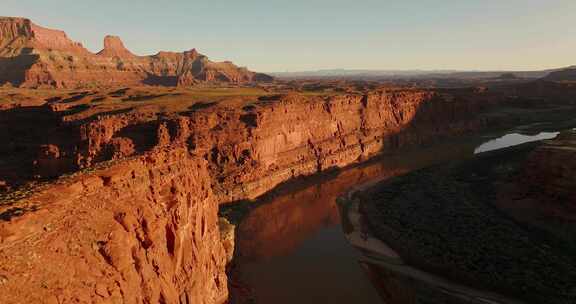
<point>296,35</point>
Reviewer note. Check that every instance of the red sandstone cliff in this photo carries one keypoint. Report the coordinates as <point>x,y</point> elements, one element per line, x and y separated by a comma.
<point>253,149</point>
<point>33,56</point>
<point>145,228</point>
<point>141,231</point>
<point>279,139</point>
<point>114,47</point>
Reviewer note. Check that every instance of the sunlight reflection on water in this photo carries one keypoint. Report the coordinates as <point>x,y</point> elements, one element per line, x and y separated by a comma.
<point>513,139</point>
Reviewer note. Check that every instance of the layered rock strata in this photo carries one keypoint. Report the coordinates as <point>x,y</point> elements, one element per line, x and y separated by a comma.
<point>33,56</point>
<point>144,230</point>
<point>275,139</point>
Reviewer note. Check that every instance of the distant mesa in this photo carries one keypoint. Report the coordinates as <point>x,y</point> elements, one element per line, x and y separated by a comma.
<point>33,56</point>
<point>114,47</point>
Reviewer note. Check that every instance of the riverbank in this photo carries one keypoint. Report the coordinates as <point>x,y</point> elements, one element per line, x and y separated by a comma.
<point>176,163</point>
<point>444,220</point>
<point>264,246</point>
<point>398,281</point>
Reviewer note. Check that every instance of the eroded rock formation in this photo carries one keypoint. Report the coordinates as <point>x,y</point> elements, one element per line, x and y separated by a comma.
<point>33,56</point>
<point>114,47</point>
<point>251,150</point>
<point>141,231</point>
<point>146,226</point>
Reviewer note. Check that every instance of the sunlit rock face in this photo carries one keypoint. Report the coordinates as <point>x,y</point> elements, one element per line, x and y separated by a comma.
<point>141,231</point>
<point>145,228</point>
<point>253,150</point>
<point>33,56</point>
<point>249,149</point>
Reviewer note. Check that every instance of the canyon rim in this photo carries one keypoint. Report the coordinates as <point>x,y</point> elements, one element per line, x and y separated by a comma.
<point>172,178</point>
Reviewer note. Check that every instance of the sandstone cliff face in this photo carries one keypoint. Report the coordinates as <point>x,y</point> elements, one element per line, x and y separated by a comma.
<point>251,152</point>
<point>253,149</point>
<point>145,229</point>
<point>114,47</point>
<point>33,56</point>
<point>16,33</point>
<point>141,231</point>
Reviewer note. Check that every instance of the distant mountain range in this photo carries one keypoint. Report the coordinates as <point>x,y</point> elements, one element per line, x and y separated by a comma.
<point>414,74</point>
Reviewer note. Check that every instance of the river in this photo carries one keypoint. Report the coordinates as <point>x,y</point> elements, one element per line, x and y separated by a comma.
<point>291,248</point>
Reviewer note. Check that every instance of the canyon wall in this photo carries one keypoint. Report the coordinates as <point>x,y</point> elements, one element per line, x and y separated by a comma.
<point>144,230</point>
<point>275,139</point>
<point>272,141</point>
<point>252,149</point>
<point>33,56</point>
<point>143,226</point>
<point>136,222</point>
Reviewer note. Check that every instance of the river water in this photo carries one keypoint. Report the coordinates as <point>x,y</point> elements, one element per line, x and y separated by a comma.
<point>513,139</point>
<point>291,248</point>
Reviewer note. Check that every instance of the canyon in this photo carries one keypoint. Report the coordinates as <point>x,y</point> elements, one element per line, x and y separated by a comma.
<point>127,199</point>
<point>114,167</point>
<point>251,144</point>
<point>144,231</point>
<point>135,216</point>
<point>33,56</point>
